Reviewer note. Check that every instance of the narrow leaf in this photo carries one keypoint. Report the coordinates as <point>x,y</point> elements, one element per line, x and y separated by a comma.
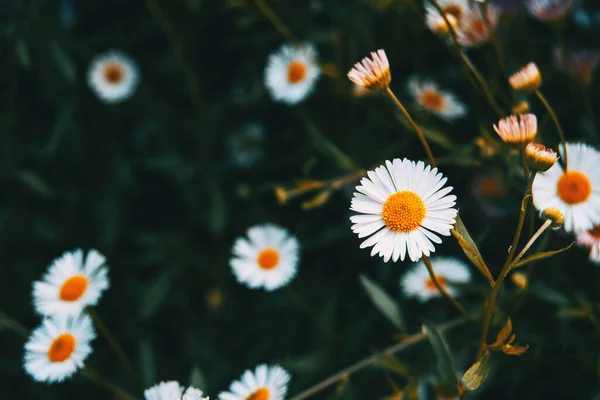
<point>383,302</point>
<point>477,373</point>
<point>503,334</point>
<point>35,182</point>
<point>549,294</point>
<point>441,350</point>
<point>328,148</point>
<point>147,362</point>
<point>63,61</point>
<point>541,256</point>
<point>470,248</point>
<point>197,379</point>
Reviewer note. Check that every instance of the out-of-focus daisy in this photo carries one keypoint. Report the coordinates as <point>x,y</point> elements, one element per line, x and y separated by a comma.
<point>372,73</point>
<point>591,240</point>
<point>580,64</point>
<point>517,130</point>
<point>58,347</point>
<point>575,193</point>
<point>473,29</point>
<point>113,76</point>
<point>455,9</point>
<point>292,72</point>
<point>417,282</point>
<point>172,391</point>
<point>266,383</point>
<point>527,78</point>
<point>268,257</point>
<point>491,193</point>
<point>430,97</point>
<point>245,145</point>
<point>549,10</point>
<point>403,206</point>
<point>71,283</point>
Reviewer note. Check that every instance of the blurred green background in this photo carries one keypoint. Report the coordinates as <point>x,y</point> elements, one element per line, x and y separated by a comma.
<point>150,183</point>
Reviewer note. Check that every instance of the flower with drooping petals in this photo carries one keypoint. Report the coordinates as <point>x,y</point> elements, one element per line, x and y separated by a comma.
<point>417,282</point>
<point>372,73</point>
<point>539,157</point>
<point>473,30</point>
<point>266,383</point>
<point>527,78</point>
<point>591,240</point>
<point>549,10</point>
<point>576,192</point>
<point>517,130</point>
<point>267,258</point>
<point>71,283</point>
<point>430,97</point>
<point>171,390</point>
<point>403,206</point>
<point>58,347</point>
<point>454,10</point>
<point>113,76</point>
<point>292,72</point>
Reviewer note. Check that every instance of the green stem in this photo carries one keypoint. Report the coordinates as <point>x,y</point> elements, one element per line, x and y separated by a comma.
<point>443,291</point>
<point>556,123</point>
<point>274,19</point>
<point>111,387</point>
<point>413,125</point>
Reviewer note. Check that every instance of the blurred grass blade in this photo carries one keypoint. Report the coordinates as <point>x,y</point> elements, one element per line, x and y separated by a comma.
<point>147,362</point>
<point>62,123</point>
<point>383,302</point>
<point>432,135</point>
<point>549,294</point>
<point>470,248</point>
<point>35,183</point>
<point>441,350</point>
<point>63,61</point>
<point>197,379</point>
<point>22,52</point>
<point>153,295</point>
<point>390,363</point>
<point>541,256</point>
<point>328,148</point>
<point>477,373</point>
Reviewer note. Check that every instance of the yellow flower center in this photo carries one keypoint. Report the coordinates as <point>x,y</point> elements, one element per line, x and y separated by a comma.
<point>574,187</point>
<point>73,288</point>
<point>430,286</point>
<point>403,211</point>
<point>268,259</point>
<point>114,73</point>
<point>61,348</point>
<point>454,10</point>
<point>433,100</point>
<point>296,71</point>
<point>260,394</point>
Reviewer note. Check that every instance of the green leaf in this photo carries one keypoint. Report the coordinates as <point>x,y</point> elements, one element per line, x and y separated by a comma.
<point>22,52</point>
<point>383,302</point>
<point>63,61</point>
<point>35,183</point>
<point>477,373</point>
<point>541,256</point>
<point>470,248</point>
<point>147,362</point>
<point>328,148</point>
<point>548,294</point>
<point>154,295</point>
<point>197,379</point>
<point>445,363</point>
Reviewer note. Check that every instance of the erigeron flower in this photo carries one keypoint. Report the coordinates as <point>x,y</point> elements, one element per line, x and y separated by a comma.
<point>402,208</point>
<point>473,29</point>
<point>453,9</point>
<point>517,130</point>
<point>437,23</point>
<point>527,78</point>
<point>268,257</point>
<point>579,64</point>
<point>113,76</point>
<point>266,383</point>
<point>171,390</point>
<point>372,73</point>
<point>430,97</point>
<point>417,282</point>
<point>549,10</point>
<point>58,347</point>
<point>71,283</point>
<point>591,240</point>
<point>539,157</point>
<point>292,72</point>
<point>576,192</point>
<point>246,145</point>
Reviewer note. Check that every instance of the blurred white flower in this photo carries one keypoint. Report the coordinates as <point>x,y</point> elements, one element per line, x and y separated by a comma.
<point>439,102</point>
<point>113,76</point>
<point>416,282</point>
<point>591,240</point>
<point>171,390</point>
<point>266,383</point>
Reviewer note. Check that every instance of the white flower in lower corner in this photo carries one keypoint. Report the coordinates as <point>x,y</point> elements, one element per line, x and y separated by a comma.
<point>58,347</point>
<point>71,284</point>
<point>417,282</point>
<point>403,207</point>
<point>266,383</point>
<point>173,391</point>
<point>268,257</point>
<point>576,193</point>
<point>591,240</point>
<point>431,98</point>
<point>113,76</point>
<point>292,72</point>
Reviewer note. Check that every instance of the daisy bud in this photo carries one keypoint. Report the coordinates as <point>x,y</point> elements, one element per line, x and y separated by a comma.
<point>539,157</point>
<point>555,215</point>
<point>521,108</point>
<point>520,280</point>
<point>526,79</point>
<point>517,131</point>
<point>372,73</point>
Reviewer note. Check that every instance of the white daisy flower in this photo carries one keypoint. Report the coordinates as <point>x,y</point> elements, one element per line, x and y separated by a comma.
<point>58,347</point>
<point>71,284</point>
<point>292,72</point>
<point>576,193</point>
<point>549,10</point>
<point>403,206</point>
<point>448,271</point>
<point>266,383</point>
<point>591,240</point>
<point>456,9</point>
<point>473,30</point>
<point>113,76</point>
<point>245,146</point>
<point>172,391</point>
<point>431,98</point>
<point>267,258</point>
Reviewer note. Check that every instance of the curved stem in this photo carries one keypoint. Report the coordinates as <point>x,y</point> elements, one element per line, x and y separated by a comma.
<point>365,362</point>
<point>535,236</point>
<point>413,125</point>
<point>442,290</point>
<point>557,124</point>
<point>100,381</point>
<point>272,16</point>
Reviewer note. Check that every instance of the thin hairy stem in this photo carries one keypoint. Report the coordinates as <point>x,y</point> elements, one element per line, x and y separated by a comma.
<point>557,124</point>
<point>443,291</point>
<point>117,392</point>
<point>413,125</point>
<point>274,19</point>
<point>365,362</point>
<point>535,236</point>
